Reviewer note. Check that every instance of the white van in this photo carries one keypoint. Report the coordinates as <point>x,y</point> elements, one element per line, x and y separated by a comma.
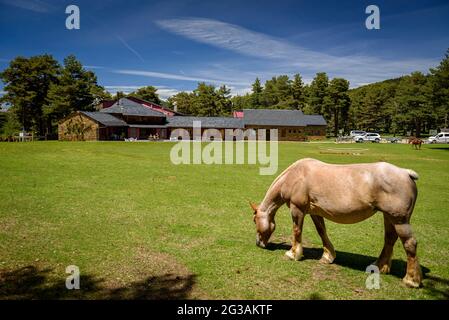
<point>442,137</point>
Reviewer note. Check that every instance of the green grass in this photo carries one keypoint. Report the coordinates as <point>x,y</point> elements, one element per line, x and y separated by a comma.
<point>139,227</point>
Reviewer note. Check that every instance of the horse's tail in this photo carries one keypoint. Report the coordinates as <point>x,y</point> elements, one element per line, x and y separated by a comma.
<point>412,174</point>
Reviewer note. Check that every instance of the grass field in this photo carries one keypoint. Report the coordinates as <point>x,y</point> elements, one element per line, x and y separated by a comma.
<point>138,226</point>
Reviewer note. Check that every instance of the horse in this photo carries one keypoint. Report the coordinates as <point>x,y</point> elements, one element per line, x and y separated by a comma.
<point>416,143</point>
<point>344,194</point>
<point>410,139</point>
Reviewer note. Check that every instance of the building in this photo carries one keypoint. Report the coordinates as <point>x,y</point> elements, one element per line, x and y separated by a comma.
<point>135,118</point>
<point>292,125</point>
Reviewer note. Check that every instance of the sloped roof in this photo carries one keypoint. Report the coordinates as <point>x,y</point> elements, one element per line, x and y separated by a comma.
<point>105,119</point>
<point>165,110</point>
<point>206,122</point>
<point>315,120</point>
<point>268,117</point>
<point>273,117</point>
<point>128,107</point>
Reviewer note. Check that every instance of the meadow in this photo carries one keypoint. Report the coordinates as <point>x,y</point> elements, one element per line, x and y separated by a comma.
<point>139,227</point>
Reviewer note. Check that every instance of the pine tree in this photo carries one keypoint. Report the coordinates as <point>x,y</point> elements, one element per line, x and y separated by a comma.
<point>183,102</point>
<point>413,100</point>
<point>204,101</point>
<point>256,96</point>
<point>339,103</point>
<point>223,102</point>
<point>27,82</point>
<point>148,93</point>
<point>298,92</point>
<point>76,89</point>
<point>439,85</point>
<point>242,102</point>
<point>283,92</point>
<point>318,95</point>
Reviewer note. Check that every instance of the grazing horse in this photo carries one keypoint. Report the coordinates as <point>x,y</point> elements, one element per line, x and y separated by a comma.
<point>416,143</point>
<point>344,194</point>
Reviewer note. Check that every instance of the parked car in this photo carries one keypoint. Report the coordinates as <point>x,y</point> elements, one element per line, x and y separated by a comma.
<point>354,133</point>
<point>393,140</point>
<point>442,137</point>
<point>368,137</point>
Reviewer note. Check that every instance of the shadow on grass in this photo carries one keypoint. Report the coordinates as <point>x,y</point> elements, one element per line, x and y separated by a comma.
<point>435,286</point>
<point>439,148</point>
<point>32,283</point>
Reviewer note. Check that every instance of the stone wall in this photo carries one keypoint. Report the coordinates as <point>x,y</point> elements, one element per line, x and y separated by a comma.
<point>78,127</point>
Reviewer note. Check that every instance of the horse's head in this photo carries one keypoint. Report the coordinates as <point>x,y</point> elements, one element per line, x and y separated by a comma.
<point>265,225</point>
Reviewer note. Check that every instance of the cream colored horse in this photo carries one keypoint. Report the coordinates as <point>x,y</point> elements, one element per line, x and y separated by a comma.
<point>344,194</point>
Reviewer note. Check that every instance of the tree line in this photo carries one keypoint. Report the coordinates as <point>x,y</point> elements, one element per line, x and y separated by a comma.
<point>41,92</point>
<point>414,103</point>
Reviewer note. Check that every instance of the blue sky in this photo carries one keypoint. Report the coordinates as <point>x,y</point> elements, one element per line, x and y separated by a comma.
<point>174,44</point>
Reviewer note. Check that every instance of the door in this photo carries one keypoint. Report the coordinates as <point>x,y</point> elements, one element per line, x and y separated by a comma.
<point>133,133</point>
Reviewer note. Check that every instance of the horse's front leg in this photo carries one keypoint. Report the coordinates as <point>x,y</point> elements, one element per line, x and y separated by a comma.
<point>295,253</point>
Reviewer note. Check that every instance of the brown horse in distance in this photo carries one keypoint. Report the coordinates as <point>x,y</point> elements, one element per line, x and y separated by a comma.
<point>416,143</point>
<point>344,194</point>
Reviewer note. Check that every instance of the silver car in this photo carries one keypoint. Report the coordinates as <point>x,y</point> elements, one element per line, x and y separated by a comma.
<point>354,133</point>
<point>442,137</point>
<point>368,137</point>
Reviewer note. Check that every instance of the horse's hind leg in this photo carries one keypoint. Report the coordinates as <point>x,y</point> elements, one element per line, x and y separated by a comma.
<point>328,249</point>
<point>390,237</point>
<point>413,277</point>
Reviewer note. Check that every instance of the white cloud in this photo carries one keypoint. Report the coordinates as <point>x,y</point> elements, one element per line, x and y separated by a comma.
<point>31,5</point>
<point>163,91</point>
<point>280,54</point>
<point>229,36</point>
<point>126,89</point>
<point>93,67</point>
<point>172,76</point>
<point>239,91</point>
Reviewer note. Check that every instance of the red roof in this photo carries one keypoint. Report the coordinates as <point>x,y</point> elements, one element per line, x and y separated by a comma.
<point>237,114</point>
<point>168,112</point>
<point>106,103</point>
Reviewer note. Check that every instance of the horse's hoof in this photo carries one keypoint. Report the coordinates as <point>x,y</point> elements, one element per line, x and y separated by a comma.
<point>291,256</point>
<point>385,269</point>
<point>410,282</point>
<point>327,259</point>
<point>328,256</point>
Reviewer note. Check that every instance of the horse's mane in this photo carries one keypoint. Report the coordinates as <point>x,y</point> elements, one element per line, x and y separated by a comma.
<point>282,174</point>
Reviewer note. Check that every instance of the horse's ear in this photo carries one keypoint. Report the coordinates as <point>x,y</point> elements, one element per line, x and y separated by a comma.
<point>254,206</point>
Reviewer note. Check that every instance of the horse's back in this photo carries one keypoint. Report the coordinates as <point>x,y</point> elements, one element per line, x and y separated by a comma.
<point>351,192</point>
